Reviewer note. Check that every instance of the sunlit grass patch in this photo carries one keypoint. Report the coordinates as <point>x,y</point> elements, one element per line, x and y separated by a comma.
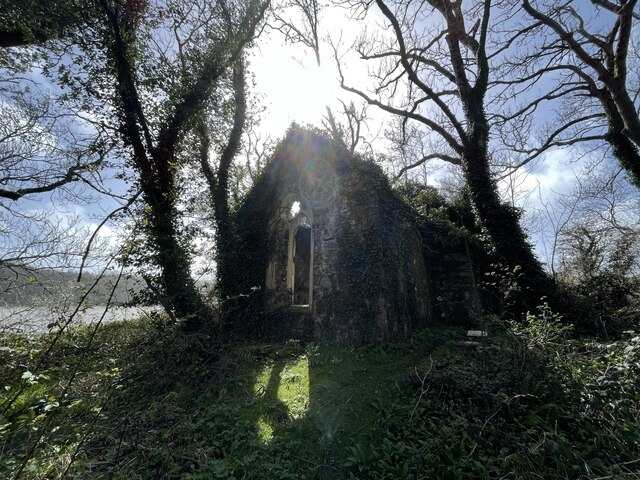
<point>281,389</point>
<point>265,430</point>
<point>293,390</point>
<point>262,380</point>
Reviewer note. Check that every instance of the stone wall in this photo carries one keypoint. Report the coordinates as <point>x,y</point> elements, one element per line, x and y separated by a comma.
<point>369,277</point>
<point>378,286</point>
<point>449,257</point>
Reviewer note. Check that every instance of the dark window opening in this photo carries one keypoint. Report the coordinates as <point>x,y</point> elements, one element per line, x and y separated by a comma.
<point>302,265</point>
<point>281,274</point>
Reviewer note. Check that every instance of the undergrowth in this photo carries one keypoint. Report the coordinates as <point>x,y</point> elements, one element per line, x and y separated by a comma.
<point>529,401</point>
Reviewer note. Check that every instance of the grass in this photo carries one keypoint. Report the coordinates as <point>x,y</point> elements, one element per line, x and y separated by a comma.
<point>146,403</point>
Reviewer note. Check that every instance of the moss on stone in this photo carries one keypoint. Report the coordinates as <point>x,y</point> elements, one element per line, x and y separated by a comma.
<point>371,269</point>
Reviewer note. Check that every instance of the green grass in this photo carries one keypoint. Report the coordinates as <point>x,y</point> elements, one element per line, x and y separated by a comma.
<point>147,403</point>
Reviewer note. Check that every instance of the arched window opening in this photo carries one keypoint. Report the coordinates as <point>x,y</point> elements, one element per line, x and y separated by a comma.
<point>295,209</point>
<point>301,265</point>
<point>290,267</point>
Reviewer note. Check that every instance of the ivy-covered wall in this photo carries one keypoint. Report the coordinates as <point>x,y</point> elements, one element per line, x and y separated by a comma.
<point>370,280</point>
<point>454,263</point>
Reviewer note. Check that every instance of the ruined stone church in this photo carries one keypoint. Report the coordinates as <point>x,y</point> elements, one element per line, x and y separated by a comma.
<point>332,253</point>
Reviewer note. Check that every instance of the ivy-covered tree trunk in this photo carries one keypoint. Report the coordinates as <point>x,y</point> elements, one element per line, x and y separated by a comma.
<point>218,181</point>
<point>499,219</point>
<point>180,291</point>
<point>154,136</point>
<point>624,149</point>
<point>503,227</point>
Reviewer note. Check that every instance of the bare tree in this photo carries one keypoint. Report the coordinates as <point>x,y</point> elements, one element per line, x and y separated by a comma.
<point>437,58</point>
<point>410,155</point>
<point>604,210</point>
<point>349,132</point>
<point>599,247</point>
<point>256,149</point>
<point>48,155</point>
<point>583,50</point>
<point>41,149</point>
<point>298,21</point>
<point>601,204</point>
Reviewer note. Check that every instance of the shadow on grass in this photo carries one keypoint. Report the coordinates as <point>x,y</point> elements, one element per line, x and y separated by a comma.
<point>148,404</point>
<point>263,411</point>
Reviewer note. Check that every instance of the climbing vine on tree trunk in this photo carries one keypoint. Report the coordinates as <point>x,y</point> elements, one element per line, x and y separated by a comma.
<point>447,68</point>
<point>153,132</point>
<point>218,178</point>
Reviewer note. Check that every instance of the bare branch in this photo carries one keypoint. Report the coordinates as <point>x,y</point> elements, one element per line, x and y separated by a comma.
<point>426,158</point>
<point>414,77</point>
<point>71,175</point>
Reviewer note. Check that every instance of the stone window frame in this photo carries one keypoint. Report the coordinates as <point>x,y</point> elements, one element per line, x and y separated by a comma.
<point>303,217</point>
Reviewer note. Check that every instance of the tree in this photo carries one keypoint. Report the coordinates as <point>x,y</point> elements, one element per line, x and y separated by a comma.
<point>581,49</point>
<point>39,149</point>
<point>145,73</point>
<point>29,22</point>
<point>166,61</point>
<point>218,178</point>
<point>348,133</point>
<point>43,145</point>
<point>298,21</point>
<point>598,272</point>
<point>411,153</point>
<point>444,67</point>
<point>45,156</point>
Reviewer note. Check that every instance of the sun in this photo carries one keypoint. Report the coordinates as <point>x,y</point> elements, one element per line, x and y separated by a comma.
<point>291,84</point>
<point>294,87</point>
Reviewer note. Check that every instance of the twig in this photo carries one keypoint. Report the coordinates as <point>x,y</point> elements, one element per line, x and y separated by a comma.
<point>72,377</point>
<point>422,389</point>
<point>100,225</point>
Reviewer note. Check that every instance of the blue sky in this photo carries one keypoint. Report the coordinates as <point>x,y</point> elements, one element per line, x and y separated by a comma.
<point>292,87</point>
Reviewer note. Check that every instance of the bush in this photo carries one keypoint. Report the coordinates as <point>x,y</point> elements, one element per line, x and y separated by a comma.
<point>528,403</point>
<point>605,304</point>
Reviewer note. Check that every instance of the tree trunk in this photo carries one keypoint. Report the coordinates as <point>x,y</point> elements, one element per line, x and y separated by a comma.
<point>625,108</point>
<point>502,225</point>
<point>174,260</point>
<point>218,182</point>
<point>624,149</point>
<point>501,221</point>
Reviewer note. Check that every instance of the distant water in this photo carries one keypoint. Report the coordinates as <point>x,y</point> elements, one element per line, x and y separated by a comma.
<point>39,319</point>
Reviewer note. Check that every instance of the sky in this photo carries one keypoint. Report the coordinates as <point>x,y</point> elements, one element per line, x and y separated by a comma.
<point>296,89</point>
<point>292,87</point>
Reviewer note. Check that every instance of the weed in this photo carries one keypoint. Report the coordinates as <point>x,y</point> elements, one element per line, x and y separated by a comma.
<point>529,402</point>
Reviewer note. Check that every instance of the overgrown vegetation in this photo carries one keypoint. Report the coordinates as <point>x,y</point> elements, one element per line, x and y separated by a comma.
<point>528,402</point>
<point>147,104</point>
<point>599,280</point>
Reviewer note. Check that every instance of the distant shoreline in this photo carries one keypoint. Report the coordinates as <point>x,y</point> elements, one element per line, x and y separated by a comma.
<point>30,319</point>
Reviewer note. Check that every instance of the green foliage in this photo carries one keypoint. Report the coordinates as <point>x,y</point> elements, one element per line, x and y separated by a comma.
<point>51,397</point>
<point>529,402</point>
<point>424,199</point>
<point>429,203</point>
<point>598,280</point>
<point>33,22</point>
<point>543,329</point>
